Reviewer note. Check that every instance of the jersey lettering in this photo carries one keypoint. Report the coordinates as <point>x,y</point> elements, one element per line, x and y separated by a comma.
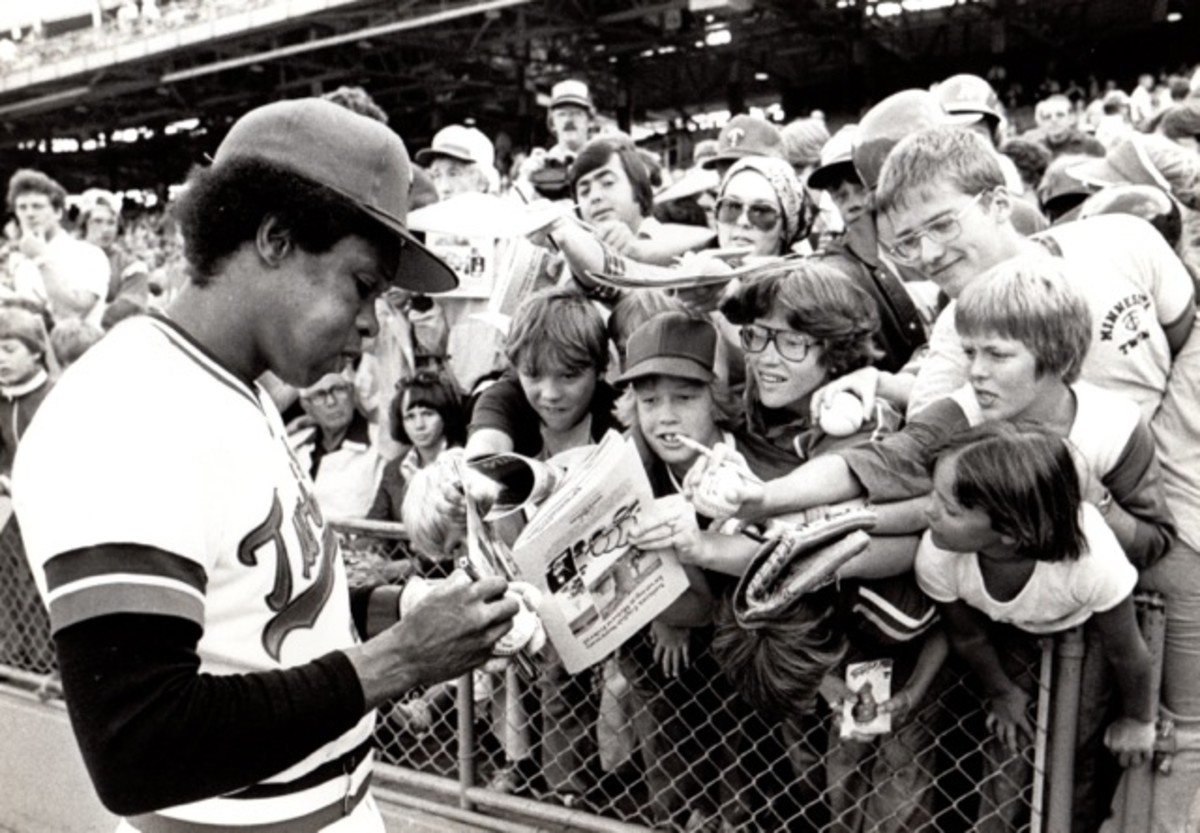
<point>268,532</point>
<point>303,610</point>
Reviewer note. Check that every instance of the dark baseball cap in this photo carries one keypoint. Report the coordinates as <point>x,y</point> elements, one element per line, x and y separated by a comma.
<point>359,158</point>
<point>746,136</point>
<point>671,344</point>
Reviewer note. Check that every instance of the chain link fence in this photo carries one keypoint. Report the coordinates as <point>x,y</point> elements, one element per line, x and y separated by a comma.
<point>623,744</point>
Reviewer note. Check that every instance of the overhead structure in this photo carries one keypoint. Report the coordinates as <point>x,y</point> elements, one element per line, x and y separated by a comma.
<point>136,103</point>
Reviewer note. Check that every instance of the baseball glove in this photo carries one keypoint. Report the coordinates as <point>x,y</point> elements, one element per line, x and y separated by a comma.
<point>804,557</point>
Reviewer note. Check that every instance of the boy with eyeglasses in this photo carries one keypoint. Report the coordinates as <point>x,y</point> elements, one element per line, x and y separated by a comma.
<point>944,210</point>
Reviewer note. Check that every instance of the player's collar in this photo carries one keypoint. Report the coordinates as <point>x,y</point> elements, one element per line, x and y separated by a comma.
<point>198,353</point>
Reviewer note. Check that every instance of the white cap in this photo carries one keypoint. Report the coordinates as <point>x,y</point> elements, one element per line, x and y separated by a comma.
<point>574,93</point>
<point>466,144</point>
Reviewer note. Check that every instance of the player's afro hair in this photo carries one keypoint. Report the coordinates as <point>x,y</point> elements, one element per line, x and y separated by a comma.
<point>223,206</point>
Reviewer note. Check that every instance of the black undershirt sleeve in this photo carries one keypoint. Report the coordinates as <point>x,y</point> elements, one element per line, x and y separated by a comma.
<point>155,732</point>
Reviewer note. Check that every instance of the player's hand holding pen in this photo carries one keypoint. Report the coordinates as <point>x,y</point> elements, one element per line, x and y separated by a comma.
<point>453,629</point>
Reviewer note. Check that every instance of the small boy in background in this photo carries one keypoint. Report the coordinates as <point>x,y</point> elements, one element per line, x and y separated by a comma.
<point>24,380</point>
<point>24,383</point>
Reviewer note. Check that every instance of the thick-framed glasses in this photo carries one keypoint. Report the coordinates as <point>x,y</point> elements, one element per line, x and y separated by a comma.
<point>328,396</point>
<point>940,230</point>
<point>790,345</point>
<point>762,216</point>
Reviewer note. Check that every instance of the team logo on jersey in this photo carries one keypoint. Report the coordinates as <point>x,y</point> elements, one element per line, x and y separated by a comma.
<point>293,611</point>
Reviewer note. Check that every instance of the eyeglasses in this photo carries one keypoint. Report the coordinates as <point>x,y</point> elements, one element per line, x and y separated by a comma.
<point>790,345</point>
<point>907,249</point>
<point>762,216</point>
<point>327,395</point>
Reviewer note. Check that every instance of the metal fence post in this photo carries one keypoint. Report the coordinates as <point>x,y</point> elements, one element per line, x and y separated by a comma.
<point>1063,731</point>
<point>1137,785</point>
<point>466,739</point>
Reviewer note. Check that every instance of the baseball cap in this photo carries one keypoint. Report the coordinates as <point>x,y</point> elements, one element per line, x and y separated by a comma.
<point>359,158</point>
<point>746,136</point>
<point>966,93</point>
<point>893,118</point>
<point>571,92</point>
<point>803,140</point>
<point>837,160</point>
<point>672,344</point>
<point>466,144</point>
<point>25,326</point>
<point>1126,163</point>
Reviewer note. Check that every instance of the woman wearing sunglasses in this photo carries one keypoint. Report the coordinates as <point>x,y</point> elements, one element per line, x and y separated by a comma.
<point>762,207</point>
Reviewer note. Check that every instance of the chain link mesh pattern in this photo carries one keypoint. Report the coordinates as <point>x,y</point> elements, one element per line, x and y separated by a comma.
<point>624,742</point>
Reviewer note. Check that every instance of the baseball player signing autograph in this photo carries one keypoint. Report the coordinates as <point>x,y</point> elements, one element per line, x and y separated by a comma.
<point>218,672</point>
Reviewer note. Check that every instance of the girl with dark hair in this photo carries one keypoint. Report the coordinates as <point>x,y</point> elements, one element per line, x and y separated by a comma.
<point>1012,550</point>
<point>427,416</point>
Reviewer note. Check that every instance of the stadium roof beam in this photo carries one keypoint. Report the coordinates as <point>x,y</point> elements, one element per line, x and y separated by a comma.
<point>337,40</point>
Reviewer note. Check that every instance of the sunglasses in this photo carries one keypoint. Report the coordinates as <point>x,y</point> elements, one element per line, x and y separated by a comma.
<point>790,345</point>
<point>762,216</point>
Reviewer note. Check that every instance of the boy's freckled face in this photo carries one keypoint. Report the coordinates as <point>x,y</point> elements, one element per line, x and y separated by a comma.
<point>560,396</point>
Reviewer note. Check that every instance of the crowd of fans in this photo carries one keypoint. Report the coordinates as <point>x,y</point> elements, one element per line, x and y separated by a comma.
<point>988,336</point>
<point>30,47</point>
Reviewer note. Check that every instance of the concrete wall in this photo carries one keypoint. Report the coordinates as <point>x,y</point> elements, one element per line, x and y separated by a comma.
<point>44,787</point>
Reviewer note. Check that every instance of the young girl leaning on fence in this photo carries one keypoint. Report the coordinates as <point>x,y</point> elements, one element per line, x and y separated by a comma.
<point>1013,552</point>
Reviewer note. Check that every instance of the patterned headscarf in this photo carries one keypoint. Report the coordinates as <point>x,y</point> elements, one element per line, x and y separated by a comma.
<point>787,188</point>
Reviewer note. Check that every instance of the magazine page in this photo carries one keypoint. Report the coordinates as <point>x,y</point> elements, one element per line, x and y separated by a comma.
<point>597,590</point>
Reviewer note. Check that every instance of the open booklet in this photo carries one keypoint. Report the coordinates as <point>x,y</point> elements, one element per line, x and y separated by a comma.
<point>597,590</point>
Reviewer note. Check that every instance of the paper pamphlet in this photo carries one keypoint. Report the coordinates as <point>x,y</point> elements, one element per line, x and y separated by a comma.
<point>473,259</point>
<point>597,591</point>
<point>483,215</point>
<point>519,264</point>
<point>872,683</point>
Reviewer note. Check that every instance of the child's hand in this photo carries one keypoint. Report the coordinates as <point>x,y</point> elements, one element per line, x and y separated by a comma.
<point>671,647</point>
<point>835,691</point>
<point>1007,719</point>
<point>671,523</point>
<point>415,715</point>
<point>863,383</point>
<point>1131,741</point>
<point>901,705</point>
<point>720,485</point>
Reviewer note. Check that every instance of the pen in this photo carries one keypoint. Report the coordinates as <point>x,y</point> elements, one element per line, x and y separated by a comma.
<point>687,441</point>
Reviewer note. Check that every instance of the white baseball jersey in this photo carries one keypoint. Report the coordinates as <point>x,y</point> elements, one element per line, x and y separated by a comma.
<point>150,441</point>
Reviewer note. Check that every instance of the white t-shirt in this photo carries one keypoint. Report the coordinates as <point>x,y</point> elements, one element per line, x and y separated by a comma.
<point>1135,286</point>
<point>187,459</point>
<point>81,265</point>
<point>1176,429</point>
<point>1059,594</point>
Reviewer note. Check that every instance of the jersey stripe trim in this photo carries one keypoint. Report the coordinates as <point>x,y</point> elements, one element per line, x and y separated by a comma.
<point>312,822</point>
<point>205,360</point>
<point>889,628</point>
<point>902,617</point>
<point>83,601</point>
<point>110,560</point>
